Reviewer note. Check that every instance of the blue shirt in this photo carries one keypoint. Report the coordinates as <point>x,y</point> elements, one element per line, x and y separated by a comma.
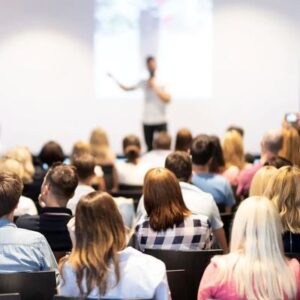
<point>216,185</point>
<point>23,250</point>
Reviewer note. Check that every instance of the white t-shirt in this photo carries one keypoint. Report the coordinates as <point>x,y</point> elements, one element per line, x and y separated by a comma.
<point>154,107</point>
<point>155,158</point>
<point>25,207</point>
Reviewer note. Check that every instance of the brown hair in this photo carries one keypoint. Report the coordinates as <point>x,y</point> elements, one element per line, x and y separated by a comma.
<point>80,148</point>
<point>100,234</point>
<point>131,147</point>
<point>291,145</point>
<point>163,199</point>
<point>51,153</point>
<point>184,140</point>
<point>85,165</point>
<point>162,141</point>
<point>11,187</point>
<point>62,180</point>
<point>284,191</point>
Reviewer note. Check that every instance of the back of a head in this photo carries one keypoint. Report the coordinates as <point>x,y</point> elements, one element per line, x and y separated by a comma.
<point>131,147</point>
<point>202,149</point>
<point>272,142</point>
<point>217,163</point>
<point>85,166</point>
<point>238,129</point>
<point>11,187</point>
<point>261,179</point>
<point>180,164</point>
<point>80,148</point>
<point>184,140</point>
<point>162,141</point>
<point>284,191</point>
<point>99,138</point>
<point>163,199</point>
<point>62,180</point>
<point>278,162</point>
<point>13,166</point>
<point>51,153</point>
<point>291,145</point>
<point>100,235</point>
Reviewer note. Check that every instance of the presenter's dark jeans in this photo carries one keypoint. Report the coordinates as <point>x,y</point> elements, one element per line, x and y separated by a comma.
<point>149,131</point>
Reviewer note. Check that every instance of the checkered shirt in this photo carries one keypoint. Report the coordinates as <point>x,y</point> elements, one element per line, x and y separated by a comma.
<point>194,233</point>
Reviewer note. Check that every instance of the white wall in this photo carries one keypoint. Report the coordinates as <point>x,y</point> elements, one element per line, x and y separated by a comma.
<point>46,73</point>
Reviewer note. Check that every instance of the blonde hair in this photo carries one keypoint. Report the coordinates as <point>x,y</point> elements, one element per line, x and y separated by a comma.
<point>261,179</point>
<point>81,147</point>
<point>23,156</point>
<point>256,262</point>
<point>13,166</point>
<point>233,149</point>
<point>284,191</point>
<point>291,145</point>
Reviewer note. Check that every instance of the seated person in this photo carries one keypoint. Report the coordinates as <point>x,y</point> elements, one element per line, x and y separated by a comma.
<point>85,166</point>
<point>161,149</point>
<point>197,201</point>
<point>131,172</point>
<point>183,140</point>
<point>202,153</point>
<point>21,250</point>
<point>284,191</point>
<point>169,224</point>
<point>58,188</point>
<point>256,267</point>
<point>100,265</point>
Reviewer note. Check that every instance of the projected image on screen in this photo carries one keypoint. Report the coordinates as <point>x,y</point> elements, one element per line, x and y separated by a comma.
<point>178,33</point>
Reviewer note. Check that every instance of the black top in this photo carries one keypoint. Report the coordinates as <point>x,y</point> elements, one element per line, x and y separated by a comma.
<point>52,223</point>
<point>291,242</point>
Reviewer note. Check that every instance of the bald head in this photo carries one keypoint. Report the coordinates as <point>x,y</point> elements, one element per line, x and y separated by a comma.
<point>272,142</point>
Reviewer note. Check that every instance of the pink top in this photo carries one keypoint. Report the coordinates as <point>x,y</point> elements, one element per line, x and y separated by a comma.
<point>208,289</point>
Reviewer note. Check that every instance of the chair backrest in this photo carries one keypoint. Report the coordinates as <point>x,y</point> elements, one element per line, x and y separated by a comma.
<point>12,296</point>
<point>30,285</point>
<point>178,284</point>
<point>293,255</point>
<point>193,262</point>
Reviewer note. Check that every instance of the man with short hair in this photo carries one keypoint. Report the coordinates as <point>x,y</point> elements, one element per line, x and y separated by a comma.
<point>202,154</point>
<point>21,250</point>
<point>85,166</point>
<point>57,189</point>
<point>270,144</point>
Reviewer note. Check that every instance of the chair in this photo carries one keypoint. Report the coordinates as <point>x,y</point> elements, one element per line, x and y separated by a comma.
<point>227,219</point>
<point>293,255</point>
<point>13,296</point>
<point>30,285</point>
<point>178,284</point>
<point>193,262</point>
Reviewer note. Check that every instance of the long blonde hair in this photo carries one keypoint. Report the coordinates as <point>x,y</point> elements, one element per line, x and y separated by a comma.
<point>291,145</point>
<point>233,149</point>
<point>284,191</point>
<point>261,179</point>
<point>100,235</point>
<point>256,262</point>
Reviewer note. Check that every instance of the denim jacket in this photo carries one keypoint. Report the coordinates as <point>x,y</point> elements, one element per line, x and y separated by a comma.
<point>23,250</point>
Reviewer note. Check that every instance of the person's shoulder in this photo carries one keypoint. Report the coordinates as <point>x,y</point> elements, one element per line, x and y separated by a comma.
<point>28,221</point>
<point>26,236</point>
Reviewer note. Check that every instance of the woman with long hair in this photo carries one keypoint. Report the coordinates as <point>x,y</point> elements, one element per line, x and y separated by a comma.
<point>255,268</point>
<point>291,145</point>
<point>169,224</point>
<point>100,265</point>
<point>284,191</point>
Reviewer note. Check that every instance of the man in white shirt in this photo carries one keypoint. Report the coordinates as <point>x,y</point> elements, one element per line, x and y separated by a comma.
<point>195,199</point>
<point>85,166</point>
<point>156,99</point>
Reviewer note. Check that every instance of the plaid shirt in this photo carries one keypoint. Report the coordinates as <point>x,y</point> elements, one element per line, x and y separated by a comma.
<point>194,233</point>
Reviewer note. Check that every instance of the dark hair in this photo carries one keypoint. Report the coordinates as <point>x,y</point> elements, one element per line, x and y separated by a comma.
<point>238,129</point>
<point>131,147</point>
<point>218,161</point>
<point>202,149</point>
<point>51,153</point>
<point>278,162</point>
<point>163,199</point>
<point>162,141</point>
<point>62,180</point>
<point>11,187</point>
<point>149,58</point>
<point>184,140</point>
<point>85,165</point>
<point>180,164</point>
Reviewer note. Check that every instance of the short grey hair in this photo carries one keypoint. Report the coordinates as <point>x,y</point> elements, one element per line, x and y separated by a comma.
<point>272,141</point>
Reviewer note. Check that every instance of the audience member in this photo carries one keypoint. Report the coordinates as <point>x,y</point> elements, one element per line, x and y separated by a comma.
<point>270,146</point>
<point>278,162</point>
<point>57,189</point>
<point>284,191</point>
<point>214,184</point>
<point>25,204</point>
<point>256,267</point>
<point>161,149</point>
<point>183,140</point>
<point>131,172</point>
<point>291,145</point>
<point>100,265</point>
<point>85,166</point>
<point>238,129</point>
<point>81,147</point>
<point>169,224</point>
<point>21,250</point>
<point>197,201</point>
<point>217,163</point>
<point>51,153</point>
